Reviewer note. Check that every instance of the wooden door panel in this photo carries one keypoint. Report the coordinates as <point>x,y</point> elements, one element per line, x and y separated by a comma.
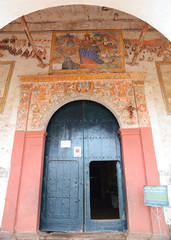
<point>101,143</point>
<point>66,178</point>
<point>62,195</point>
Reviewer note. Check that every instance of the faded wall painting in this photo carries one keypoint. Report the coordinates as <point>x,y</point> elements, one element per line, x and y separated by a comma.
<point>6,69</point>
<point>122,93</point>
<point>164,75</point>
<point>83,50</point>
<point>150,50</point>
<point>18,45</point>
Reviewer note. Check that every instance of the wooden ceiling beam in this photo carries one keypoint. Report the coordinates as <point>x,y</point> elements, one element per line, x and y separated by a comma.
<point>140,42</point>
<point>29,36</point>
<point>81,24</point>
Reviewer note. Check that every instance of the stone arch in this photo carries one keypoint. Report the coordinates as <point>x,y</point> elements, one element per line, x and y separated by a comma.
<point>83,97</point>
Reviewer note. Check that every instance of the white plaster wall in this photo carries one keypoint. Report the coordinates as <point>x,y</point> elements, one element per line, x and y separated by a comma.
<point>160,121</point>
<point>154,12</point>
<point>23,66</point>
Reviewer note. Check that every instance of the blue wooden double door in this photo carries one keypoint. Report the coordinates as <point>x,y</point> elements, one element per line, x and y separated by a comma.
<point>83,188</point>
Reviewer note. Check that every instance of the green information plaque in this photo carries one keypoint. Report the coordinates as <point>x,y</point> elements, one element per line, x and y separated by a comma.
<point>156,196</point>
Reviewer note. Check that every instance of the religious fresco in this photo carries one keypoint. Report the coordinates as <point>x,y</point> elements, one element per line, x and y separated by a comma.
<point>84,50</point>
<point>6,69</point>
<point>164,75</point>
<point>149,51</point>
<point>19,46</point>
<point>122,92</point>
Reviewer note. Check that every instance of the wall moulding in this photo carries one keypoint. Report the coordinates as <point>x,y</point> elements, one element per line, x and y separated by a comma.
<point>41,96</point>
<point>77,77</point>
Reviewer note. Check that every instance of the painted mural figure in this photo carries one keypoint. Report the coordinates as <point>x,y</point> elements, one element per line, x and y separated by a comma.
<point>84,50</point>
<point>89,51</point>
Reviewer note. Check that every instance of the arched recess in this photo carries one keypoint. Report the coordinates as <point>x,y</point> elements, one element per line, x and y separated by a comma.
<point>86,98</point>
<point>154,12</point>
<point>92,128</point>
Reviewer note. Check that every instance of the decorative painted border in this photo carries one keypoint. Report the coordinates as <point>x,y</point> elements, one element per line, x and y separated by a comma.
<point>3,100</point>
<point>122,93</point>
<point>160,77</point>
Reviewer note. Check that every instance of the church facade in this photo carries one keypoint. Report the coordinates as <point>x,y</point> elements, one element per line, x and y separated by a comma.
<point>82,135</point>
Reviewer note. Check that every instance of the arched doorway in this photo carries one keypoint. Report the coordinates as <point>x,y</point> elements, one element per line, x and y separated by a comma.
<point>83,187</point>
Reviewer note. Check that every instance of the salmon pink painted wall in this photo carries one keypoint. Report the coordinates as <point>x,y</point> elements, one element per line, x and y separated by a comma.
<point>8,221</point>
<point>22,207</point>
<point>140,168</point>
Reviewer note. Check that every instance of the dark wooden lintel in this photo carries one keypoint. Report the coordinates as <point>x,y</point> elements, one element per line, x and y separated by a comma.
<point>29,36</point>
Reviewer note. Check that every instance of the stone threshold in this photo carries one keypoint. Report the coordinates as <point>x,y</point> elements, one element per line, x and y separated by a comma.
<point>85,236</point>
<point>112,235</point>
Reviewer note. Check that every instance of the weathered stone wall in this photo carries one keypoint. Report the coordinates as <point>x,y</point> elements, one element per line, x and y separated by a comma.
<point>26,64</point>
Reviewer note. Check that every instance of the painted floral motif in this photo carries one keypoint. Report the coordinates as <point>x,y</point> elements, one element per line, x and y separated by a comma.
<point>142,108</point>
<point>141,105</point>
<point>23,111</point>
<point>140,96</point>
<point>117,93</point>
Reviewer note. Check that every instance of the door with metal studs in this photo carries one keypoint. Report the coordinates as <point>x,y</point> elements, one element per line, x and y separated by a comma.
<point>83,188</point>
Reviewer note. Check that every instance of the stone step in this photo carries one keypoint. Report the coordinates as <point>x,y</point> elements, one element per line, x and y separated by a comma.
<point>81,236</point>
<point>84,236</point>
<point>64,236</point>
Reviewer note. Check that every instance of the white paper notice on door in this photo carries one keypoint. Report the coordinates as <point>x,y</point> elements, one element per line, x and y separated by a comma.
<point>65,144</point>
<point>77,152</point>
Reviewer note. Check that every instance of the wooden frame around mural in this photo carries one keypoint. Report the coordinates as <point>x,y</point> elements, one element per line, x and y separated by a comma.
<point>76,51</point>
<point>6,70</point>
<point>164,75</point>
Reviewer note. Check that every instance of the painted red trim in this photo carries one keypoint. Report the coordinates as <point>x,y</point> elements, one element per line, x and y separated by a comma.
<point>129,131</point>
<point>22,206</point>
<point>36,134</point>
<point>9,216</point>
<point>28,211</point>
<point>149,157</point>
<point>151,169</point>
<point>140,168</point>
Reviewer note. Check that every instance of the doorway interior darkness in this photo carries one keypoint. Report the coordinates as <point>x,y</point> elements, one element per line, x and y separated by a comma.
<point>104,202</point>
<point>83,187</point>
